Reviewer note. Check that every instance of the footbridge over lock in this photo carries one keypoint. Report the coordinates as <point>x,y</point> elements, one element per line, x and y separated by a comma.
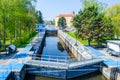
<point>58,63</point>
<point>61,67</point>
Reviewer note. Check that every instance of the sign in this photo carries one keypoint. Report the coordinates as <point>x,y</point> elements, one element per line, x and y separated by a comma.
<point>40,27</point>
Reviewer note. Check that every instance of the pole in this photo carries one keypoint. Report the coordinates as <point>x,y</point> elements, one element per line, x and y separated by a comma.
<point>76,41</point>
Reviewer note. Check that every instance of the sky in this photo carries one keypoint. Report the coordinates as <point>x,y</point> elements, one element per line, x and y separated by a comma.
<point>52,8</point>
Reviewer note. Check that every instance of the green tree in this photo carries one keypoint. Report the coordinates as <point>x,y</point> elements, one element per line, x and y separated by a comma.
<point>91,25</point>
<point>40,17</point>
<point>17,20</point>
<point>113,13</point>
<point>52,22</point>
<point>103,29</point>
<point>62,22</point>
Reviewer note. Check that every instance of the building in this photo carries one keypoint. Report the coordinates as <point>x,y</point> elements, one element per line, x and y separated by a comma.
<point>68,17</point>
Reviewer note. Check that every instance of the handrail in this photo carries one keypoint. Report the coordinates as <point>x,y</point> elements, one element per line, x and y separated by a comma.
<point>52,56</point>
<point>63,65</point>
<point>51,59</point>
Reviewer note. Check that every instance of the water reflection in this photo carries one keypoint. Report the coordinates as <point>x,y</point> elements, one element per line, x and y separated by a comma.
<point>59,46</point>
<point>53,47</point>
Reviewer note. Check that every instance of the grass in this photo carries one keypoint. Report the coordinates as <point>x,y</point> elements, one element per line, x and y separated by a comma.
<point>27,41</point>
<point>85,42</point>
<point>24,42</point>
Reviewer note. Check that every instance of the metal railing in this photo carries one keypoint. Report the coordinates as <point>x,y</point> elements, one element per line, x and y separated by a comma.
<point>52,58</point>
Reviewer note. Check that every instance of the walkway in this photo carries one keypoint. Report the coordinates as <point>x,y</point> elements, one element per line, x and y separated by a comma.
<point>47,64</point>
<point>62,65</point>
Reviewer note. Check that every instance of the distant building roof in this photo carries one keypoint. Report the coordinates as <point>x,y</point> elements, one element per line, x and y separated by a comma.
<point>114,41</point>
<point>65,15</point>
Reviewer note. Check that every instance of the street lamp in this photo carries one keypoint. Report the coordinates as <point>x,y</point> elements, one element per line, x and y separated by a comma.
<point>76,40</point>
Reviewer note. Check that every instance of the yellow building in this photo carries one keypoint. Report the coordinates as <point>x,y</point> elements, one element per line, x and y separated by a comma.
<point>68,17</point>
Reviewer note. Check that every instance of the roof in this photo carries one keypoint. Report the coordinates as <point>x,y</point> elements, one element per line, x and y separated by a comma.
<point>111,63</point>
<point>114,41</point>
<point>94,51</point>
<point>65,15</point>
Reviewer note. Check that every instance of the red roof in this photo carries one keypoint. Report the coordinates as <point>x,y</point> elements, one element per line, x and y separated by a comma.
<point>65,15</point>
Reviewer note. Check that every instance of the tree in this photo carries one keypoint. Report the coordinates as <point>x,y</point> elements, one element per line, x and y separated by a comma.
<point>62,22</point>
<point>91,25</point>
<point>17,20</point>
<point>113,13</point>
<point>40,17</point>
<point>52,22</point>
<point>103,29</point>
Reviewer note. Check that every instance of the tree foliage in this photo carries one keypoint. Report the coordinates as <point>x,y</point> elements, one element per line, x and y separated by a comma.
<point>40,17</point>
<point>62,22</point>
<point>17,20</point>
<point>92,24</point>
<point>52,22</point>
<point>113,13</point>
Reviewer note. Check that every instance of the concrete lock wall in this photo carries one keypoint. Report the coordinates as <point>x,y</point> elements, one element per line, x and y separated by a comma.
<point>40,47</point>
<point>110,73</point>
<point>118,74</point>
<point>106,72</point>
<point>19,75</point>
<point>71,47</point>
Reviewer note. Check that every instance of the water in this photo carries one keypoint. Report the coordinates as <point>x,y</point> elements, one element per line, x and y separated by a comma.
<point>91,76</point>
<point>53,47</point>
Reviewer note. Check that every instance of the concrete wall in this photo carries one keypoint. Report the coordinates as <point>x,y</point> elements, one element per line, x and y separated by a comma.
<point>110,73</point>
<point>71,47</point>
<point>18,75</point>
<point>118,75</point>
<point>39,44</point>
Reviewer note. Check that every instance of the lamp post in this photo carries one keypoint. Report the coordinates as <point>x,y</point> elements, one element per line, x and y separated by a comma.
<point>76,40</point>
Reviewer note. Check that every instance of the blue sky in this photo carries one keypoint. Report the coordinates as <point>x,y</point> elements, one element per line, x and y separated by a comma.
<point>51,8</point>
